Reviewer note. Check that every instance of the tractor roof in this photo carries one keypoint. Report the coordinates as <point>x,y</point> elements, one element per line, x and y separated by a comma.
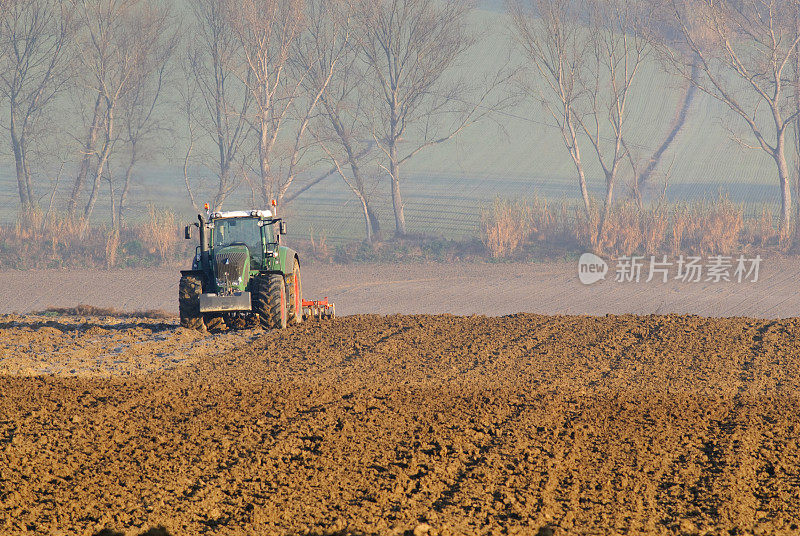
<point>242,214</point>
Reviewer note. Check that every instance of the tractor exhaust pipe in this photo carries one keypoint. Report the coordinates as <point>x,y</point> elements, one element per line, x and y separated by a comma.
<point>204,263</point>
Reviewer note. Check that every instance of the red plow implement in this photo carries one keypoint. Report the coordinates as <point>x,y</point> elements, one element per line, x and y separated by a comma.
<point>318,309</point>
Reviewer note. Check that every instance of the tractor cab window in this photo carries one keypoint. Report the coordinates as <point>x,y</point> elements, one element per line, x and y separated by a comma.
<point>269,235</point>
<point>240,231</point>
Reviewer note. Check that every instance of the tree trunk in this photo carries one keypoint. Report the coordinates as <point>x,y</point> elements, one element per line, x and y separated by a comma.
<point>575,153</point>
<point>610,179</point>
<point>370,218</point>
<point>784,229</point>
<point>264,165</point>
<point>365,211</point>
<point>374,223</point>
<point>88,149</point>
<point>126,187</point>
<point>112,197</point>
<point>27,172</point>
<point>222,191</point>
<point>797,128</point>
<point>677,125</point>
<point>397,199</point>
<point>587,203</point>
<point>372,227</point>
<point>23,183</point>
<point>87,213</point>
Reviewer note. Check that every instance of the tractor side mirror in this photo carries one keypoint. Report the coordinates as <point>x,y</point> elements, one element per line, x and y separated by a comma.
<point>283,227</point>
<point>187,233</point>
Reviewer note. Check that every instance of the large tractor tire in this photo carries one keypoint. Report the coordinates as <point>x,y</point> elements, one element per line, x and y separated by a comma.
<point>189,291</point>
<point>294,291</point>
<point>269,301</point>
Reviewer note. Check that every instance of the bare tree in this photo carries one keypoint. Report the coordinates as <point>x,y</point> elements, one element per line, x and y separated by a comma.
<point>216,102</point>
<point>659,27</point>
<point>688,93</point>
<point>337,128</point>
<point>618,51</point>
<point>796,91</point>
<point>745,48</point>
<point>117,41</point>
<point>587,55</point>
<point>86,152</point>
<point>140,117</point>
<point>555,42</point>
<point>33,70</point>
<point>270,33</point>
<point>411,47</point>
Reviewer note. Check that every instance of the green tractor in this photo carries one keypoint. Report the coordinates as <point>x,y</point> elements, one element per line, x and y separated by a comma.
<point>241,274</point>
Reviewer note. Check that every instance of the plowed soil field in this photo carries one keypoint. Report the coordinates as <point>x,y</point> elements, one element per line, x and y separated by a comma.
<point>401,424</point>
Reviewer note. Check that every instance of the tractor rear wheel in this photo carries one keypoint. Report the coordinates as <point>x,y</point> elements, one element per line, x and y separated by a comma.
<point>269,301</point>
<point>294,287</point>
<point>189,291</point>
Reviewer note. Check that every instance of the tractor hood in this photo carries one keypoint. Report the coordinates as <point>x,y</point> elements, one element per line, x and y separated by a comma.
<point>231,268</point>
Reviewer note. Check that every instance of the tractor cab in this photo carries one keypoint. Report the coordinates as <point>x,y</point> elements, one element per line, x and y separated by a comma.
<point>253,232</point>
<point>229,240</point>
<point>235,233</point>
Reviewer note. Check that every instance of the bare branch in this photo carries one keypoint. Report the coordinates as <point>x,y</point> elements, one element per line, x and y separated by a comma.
<point>743,50</point>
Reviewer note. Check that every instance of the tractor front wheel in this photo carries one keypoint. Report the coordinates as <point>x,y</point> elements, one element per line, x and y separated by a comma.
<point>189,291</point>
<point>269,301</point>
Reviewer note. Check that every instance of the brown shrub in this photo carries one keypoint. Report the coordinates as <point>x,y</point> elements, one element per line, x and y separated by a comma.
<point>704,227</point>
<point>713,227</point>
<point>586,226</point>
<point>160,232</point>
<point>504,227</point>
<point>760,230</point>
<point>112,248</point>
<point>622,232</point>
<point>319,247</point>
<point>56,241</point>
<point>552,225</point>
<point>680,222</point>
<point>655,228</point>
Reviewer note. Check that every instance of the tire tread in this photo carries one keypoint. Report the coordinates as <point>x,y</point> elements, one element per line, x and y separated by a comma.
<point>189,290</point>
<point>267,300</point>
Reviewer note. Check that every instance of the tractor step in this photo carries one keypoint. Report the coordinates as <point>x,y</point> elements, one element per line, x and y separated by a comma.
<point>319,309</point>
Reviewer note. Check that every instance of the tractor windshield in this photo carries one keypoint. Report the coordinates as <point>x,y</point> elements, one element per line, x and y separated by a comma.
<point>241,231</point>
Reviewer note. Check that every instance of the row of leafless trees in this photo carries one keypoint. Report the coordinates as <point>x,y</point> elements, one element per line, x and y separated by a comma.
<point>106,60</point>
<point>270,89</point>
<point>281,88</point>
<point>587,56</point>
<point>280,95</point>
